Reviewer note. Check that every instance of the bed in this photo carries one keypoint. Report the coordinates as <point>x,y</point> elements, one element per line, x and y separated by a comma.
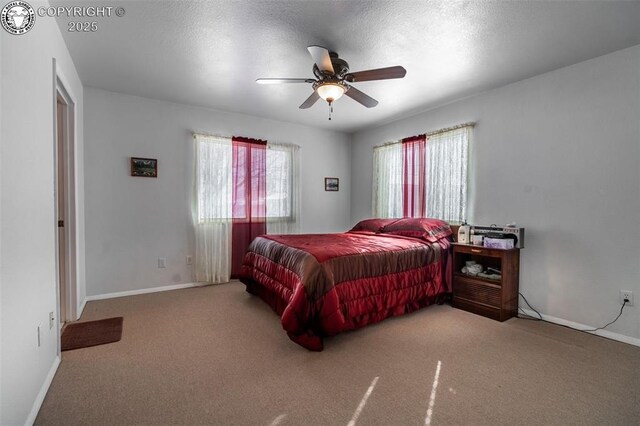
<point>323,284</point>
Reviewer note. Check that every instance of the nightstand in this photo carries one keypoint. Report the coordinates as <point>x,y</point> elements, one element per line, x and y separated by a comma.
<point>492,298</point>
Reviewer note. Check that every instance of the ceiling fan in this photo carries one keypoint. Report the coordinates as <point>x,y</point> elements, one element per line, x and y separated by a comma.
<point>333,78</point>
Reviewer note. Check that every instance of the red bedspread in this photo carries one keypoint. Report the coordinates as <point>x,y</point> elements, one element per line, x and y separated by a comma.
<point>323,284</point>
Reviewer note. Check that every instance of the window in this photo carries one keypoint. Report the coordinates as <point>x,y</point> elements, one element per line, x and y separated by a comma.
<point>387,180</point>
<point>214,180</point>
<point>446,159</point>
<point>279,181</point>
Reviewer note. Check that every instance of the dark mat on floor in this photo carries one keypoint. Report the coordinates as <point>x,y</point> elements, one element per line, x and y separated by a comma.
<point>91,333</point>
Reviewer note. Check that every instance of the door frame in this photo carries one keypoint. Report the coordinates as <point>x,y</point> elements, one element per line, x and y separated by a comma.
<point>61,90</point>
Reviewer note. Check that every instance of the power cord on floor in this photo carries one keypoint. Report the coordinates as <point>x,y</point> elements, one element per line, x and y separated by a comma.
<point>524,315</point>
<point>530,307</point>
<point>624,303</point>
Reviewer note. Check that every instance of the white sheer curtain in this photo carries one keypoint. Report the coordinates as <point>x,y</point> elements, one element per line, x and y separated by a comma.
<point>212,205</point>
<point>447,161</point>
<point>283,189</point>
<point>387,180</point>
<point>212,208</point>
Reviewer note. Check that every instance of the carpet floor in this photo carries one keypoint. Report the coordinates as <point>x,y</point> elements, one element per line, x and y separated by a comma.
<point>217,355</point>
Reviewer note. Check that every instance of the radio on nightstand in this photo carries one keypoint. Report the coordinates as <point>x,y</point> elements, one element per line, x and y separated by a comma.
<point>501,232</point>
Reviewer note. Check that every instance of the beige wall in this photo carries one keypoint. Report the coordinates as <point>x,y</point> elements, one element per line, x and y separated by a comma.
<point>560,155</point>
<point>27,236</point>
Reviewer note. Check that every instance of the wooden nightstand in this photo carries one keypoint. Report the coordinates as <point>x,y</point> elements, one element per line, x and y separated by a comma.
<point>496,299</point>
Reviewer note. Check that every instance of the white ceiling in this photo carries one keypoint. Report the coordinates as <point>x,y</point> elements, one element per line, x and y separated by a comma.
<point>210,53</point>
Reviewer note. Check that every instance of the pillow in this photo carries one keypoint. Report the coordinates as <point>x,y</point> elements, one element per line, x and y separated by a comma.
<point>430,230</point>
<point>372,225</point>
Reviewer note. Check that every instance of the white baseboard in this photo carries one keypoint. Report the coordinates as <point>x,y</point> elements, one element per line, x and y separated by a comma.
<point>43,392</point>
<point>603,333</point>
<point>81,309</point>
<point>143,291</point>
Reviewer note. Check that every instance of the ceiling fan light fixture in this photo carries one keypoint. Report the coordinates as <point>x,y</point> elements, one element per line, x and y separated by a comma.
<point>332,78</point>
<point>331,91</point>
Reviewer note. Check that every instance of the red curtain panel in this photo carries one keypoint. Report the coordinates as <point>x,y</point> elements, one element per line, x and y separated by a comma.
<point>249,196</point>
<point>414,185</point>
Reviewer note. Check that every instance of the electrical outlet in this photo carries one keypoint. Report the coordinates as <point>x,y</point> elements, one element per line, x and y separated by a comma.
<point>189,260</point>
<point>626,294</point>
<point>162,262</point>
<point>51,320</point>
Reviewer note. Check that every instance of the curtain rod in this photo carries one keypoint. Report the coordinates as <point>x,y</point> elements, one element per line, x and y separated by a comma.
<point>434,132</point>
<point>448,129</point>
<point>212,135</point>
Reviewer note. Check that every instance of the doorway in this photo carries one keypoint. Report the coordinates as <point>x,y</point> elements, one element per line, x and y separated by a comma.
<point>65,196</point>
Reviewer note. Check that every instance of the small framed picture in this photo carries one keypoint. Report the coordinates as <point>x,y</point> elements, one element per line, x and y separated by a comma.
<point>331,184</point>
<point>145,167</point>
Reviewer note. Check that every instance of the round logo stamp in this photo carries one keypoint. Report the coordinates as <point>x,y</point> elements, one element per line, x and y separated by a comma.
<point>18,17</point>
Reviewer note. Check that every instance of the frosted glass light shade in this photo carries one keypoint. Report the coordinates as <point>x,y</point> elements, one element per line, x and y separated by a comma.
<point>330,91</point>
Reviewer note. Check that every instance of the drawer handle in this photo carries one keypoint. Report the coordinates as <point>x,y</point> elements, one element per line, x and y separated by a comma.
<point>476,251</point>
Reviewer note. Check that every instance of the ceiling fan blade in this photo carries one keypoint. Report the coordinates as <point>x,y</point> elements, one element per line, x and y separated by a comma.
<point>310,100</point>
<point>321,57</point>
<point>360,97</point>
<point>284,80</point>
<point>377,74</point>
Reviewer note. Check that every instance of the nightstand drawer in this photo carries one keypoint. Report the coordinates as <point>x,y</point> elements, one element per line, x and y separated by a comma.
<point>478,308</point>
<point>479,250</point>
<point>477,291</point>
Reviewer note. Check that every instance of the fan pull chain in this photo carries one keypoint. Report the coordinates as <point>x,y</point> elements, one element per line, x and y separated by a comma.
<point>330,109</point>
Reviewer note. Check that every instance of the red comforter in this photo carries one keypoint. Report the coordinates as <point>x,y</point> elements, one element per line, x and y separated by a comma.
<point>323,284</point>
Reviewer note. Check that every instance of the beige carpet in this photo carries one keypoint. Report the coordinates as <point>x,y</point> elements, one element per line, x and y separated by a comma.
<point>217,355</point>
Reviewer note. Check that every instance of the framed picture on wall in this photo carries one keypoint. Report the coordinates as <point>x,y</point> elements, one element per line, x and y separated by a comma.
<point>331,184</point>
<point>144,167</point>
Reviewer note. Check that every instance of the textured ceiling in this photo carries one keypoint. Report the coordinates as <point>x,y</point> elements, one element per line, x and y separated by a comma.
<point>210,53</point>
